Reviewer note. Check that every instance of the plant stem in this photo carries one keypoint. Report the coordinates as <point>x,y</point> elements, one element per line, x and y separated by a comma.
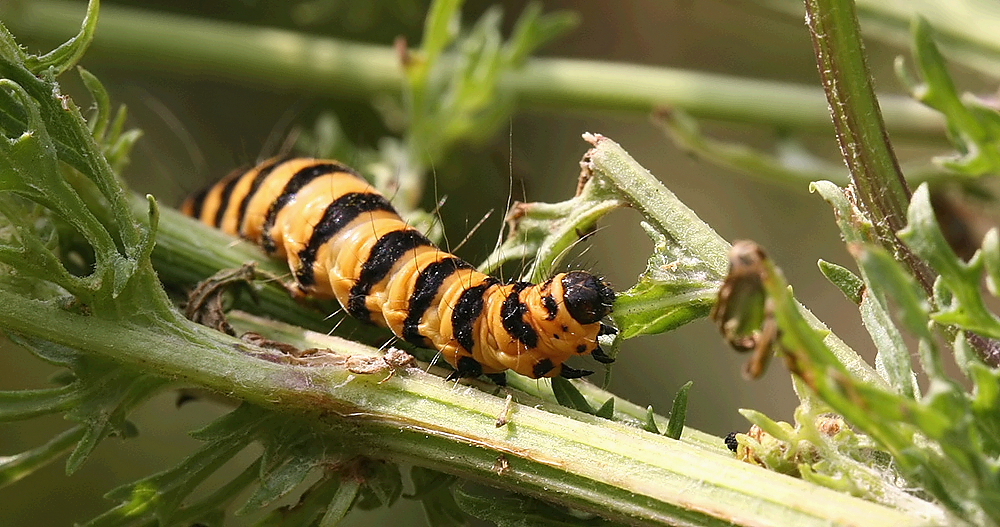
<point>285,60</point>
<point>619,472</point>
<point>861,132</point>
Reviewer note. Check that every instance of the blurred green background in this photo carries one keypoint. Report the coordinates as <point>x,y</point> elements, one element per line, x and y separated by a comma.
<point>198,128</point>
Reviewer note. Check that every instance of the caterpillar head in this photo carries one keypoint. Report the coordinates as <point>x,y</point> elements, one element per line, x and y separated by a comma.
<point>587,298</point>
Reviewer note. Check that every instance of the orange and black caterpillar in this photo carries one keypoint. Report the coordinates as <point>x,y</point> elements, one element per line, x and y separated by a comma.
<point>343,239</point>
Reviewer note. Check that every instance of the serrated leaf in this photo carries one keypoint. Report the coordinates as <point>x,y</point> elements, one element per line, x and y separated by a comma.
<point>972,125</point>
<point>678,412</point>
<point>211,509</point>
<point>9,48</point>
<point>959,282</point>
<point>291,451</point>
<point>569,395</point>
<point>844,279</point>
<point>103,412</point>
<point>160,495</point>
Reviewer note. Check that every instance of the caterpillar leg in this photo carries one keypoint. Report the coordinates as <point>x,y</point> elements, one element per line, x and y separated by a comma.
<point>572,373</point>
<point>600,356</point>
<point>466,367</point>
<point>500,379</point>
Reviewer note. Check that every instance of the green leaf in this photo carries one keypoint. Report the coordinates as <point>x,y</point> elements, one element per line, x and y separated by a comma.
<point>844,279</point>
<point>670,293</point>
<point>25,404</point>
<point>958,290</point>
<point>279,480</point>
<point>313,506</point>
<point>893,358</point>
<point>678,412</point>
<point>991,260</point>
<point>100,397</point>
<point>341,503</point>
<point>102,112</point>
<point>912,305</point>
<point>985,404</point>
<point>441,27</point>
<point>607,410</point>
<point>854,224</point>
<point>10,50</point>
<point>533,30</point>
<point>649,424</point>
<point>568,395</point>
<point>69,53</point>
<point>974,127</point>
<point>160,495</point>
<point>13,468</point>
<point>689,260</point>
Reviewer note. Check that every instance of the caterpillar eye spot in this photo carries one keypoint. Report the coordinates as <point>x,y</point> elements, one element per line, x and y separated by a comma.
<point>387,273</point>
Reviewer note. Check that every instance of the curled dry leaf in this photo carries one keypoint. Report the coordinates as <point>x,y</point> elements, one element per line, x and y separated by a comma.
<point>743,311</point>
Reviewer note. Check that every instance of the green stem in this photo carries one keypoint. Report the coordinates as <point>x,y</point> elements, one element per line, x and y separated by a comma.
<point>617,471</point>
<point>285,60</point>
<point>861,131</point>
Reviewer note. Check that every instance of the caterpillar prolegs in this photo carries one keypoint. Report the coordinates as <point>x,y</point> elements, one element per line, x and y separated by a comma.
<point>343,239</point>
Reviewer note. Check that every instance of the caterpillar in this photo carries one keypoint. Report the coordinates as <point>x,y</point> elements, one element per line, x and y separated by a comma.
<point>343,239</point>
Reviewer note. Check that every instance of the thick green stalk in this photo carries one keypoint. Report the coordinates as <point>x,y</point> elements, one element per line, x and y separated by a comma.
<point>617,471</point>
<point>861,131</point>
<point>285,60</point>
